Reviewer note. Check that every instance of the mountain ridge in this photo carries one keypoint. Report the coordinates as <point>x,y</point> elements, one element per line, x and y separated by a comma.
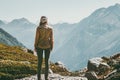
<point>1,23</point>
<point>6,38</point>
<point>88,31</point>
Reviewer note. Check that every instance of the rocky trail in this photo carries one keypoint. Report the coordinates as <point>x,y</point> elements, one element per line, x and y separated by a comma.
<point>54,77</point>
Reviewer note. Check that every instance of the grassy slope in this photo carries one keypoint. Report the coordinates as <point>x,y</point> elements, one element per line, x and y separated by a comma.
<point>16,63</point>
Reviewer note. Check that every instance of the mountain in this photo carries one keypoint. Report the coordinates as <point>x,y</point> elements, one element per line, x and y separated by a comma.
<point>23,30</point>
<point>1,23</point>
<point>8,39</point>
<point>20,22</point>
<point>96,35</point>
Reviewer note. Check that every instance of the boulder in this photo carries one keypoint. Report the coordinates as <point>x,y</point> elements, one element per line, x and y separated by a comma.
<point>114,63</point>
<point>103,68</point>
<point>114,75</point>
<point>94,63</point>
<point>27,50</point>
<point>105,58</point>
<point>116,56</point>
<point>60,64</point>
<point>91,75</point>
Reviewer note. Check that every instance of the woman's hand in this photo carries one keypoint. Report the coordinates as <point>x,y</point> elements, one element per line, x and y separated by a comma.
<point>35,49</point>
<point>51,48</point>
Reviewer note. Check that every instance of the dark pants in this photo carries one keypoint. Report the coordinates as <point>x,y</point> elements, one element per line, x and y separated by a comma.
<point>40,58</point>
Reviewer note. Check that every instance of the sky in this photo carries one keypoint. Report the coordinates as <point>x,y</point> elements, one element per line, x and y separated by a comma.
<point>57,11</point>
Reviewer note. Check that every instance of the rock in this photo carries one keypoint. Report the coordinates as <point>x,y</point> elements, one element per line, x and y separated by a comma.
<point>103,68</point>
<point>94,63</point>
<point>50,71</point>
<point>24,49</point>
<point>27,50</point>
<point>91,75</point>
<point>116,56</point>
<point>59,68</point>
<point>60,64</point>
<point>105,58</point>
<point>117,66</point>
<point>114,63</point>
<point>83,70</point>
<point>30,51</point>
<point>114,75</point>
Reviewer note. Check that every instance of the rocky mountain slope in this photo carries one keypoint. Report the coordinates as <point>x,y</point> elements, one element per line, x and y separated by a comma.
<point>96,35</point>
<point>1,23</point>
<point>22,29</point>
<point>8,39</point>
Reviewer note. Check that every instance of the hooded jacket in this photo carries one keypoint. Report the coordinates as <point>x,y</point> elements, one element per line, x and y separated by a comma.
<point>44,37</point>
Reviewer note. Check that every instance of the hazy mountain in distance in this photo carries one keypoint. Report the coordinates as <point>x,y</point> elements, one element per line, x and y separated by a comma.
<point>6,38</point>
<point>96,35</point>
<point>1,23</point>
<point>20,22</point>
<point>23,30</point>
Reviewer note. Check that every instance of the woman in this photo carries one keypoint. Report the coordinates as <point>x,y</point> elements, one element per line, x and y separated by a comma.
<point>43,42</point>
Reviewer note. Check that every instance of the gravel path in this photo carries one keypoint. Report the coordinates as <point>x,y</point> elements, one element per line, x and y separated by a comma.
<point>54,77</point>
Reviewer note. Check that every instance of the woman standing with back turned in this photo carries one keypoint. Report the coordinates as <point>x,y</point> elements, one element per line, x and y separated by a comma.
<point>43,42</point>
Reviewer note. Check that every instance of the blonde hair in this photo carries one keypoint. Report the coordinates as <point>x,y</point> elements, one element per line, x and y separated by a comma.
<point>41,22</point>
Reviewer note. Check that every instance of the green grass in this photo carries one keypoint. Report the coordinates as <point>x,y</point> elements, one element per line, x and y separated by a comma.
<point>15,63</point>
<point>4,76</point>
